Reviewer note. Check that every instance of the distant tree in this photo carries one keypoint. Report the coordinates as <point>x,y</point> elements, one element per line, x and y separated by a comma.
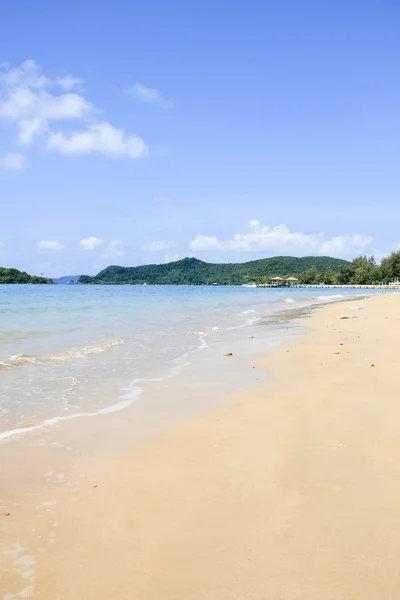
<point>15,276</point>
<point>310,276</point>
<point>328,277</point>
<point>361,271</point>
<point>366,271</point>
<point>390,266</point>
<point>85,279</point>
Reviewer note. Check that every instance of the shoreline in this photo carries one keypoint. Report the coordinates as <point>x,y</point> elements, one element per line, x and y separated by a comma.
<point>135,387</point>
<point>289,312</point>
<point>274,492</point>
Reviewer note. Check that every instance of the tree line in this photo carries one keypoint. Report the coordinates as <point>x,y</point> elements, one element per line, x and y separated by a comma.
<point>15,276</point>
<point>363,270</point>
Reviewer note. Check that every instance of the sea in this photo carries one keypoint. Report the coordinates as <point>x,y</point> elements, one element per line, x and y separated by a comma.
<point>74,351</point>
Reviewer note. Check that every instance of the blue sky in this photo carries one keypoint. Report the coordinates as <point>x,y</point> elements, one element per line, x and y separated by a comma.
<point>134,132</point>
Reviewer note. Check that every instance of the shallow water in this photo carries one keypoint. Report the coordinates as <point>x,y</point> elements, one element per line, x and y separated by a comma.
<point>69,351</point>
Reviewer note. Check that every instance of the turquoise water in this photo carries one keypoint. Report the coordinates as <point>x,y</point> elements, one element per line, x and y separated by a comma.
<point>67,351</point>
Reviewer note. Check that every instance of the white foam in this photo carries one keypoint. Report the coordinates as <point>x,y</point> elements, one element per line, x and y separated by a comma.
<point>20,360</point>
<point>54,420</point>
<point>132,393</point>
<point>329,297</point>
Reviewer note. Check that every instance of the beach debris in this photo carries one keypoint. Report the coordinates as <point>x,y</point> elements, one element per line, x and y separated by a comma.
<point>336,352</point>
<point>372,365</point>
<point>8,514</point>
<point>358,307</point>
<point>229,354</point>
<point>252,337</point>
<point>344,317</point>
<point>95,486</point>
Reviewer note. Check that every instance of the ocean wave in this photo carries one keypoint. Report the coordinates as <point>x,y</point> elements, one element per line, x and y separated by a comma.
<point>246,312</point>
<point>328,297</point>
<point>132,393</point>
<point>205,331</point>
<point>325,298</point>
<point>53,420</point>
<point>20,360</point>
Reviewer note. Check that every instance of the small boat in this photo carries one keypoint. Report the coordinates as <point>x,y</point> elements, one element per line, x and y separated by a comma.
<point>251,285</point>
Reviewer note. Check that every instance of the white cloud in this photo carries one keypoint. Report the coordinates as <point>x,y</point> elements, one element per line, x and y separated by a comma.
<point>28,128</point>
<point>114,250</point>
<point>102,138</point>
<point>157,246</point>
<point>205,242</point>
<point>27,75</point>
<point>171,258</point>
<point>12,161</point>
<point>347,245</point>
<point>33,102</point>
<point>68,82</point>
<point>32,110</point>
<point>147,95</point>
<point>255,223</point>
<point>24,103</point>
<point>50,245</point>
<point>280,240</point>
<point>90,243</point>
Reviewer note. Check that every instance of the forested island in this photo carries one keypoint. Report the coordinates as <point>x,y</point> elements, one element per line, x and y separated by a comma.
<point>308,270</point>
<point>191,271</point>
<point>15,276</point>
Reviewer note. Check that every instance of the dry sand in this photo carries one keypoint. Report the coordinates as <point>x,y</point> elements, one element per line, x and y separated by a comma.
<point>289,492</point>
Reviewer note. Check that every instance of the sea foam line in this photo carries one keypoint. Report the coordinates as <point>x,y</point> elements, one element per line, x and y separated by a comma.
<point>132,394</point>
<point>21,360</point>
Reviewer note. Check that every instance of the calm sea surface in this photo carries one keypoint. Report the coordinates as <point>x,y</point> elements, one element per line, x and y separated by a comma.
<point>68,351</point>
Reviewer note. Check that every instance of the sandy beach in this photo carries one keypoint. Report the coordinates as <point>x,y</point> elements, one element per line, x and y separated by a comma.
<point>290,491</point>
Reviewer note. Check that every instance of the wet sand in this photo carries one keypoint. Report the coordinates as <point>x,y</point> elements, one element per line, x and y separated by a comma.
<point>290,490</point>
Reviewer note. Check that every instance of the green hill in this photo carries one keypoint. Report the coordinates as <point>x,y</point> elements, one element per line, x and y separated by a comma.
<point>191,271</point>
<point>15,276</point>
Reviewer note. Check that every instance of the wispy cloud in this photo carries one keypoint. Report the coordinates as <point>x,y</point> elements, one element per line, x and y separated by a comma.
<point>102,138</point>
<point>157,246</point>
<point>33,102</point>
<point>68,82</point>
<point>32,108</point>
<point>171,258</point>
<point>280,240</point>
<point>27,75</point>
<point>114,249</point>
<point>12,161</point>
<point>50,245</point>
<point>90,243</point>
<point>147,95</point>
